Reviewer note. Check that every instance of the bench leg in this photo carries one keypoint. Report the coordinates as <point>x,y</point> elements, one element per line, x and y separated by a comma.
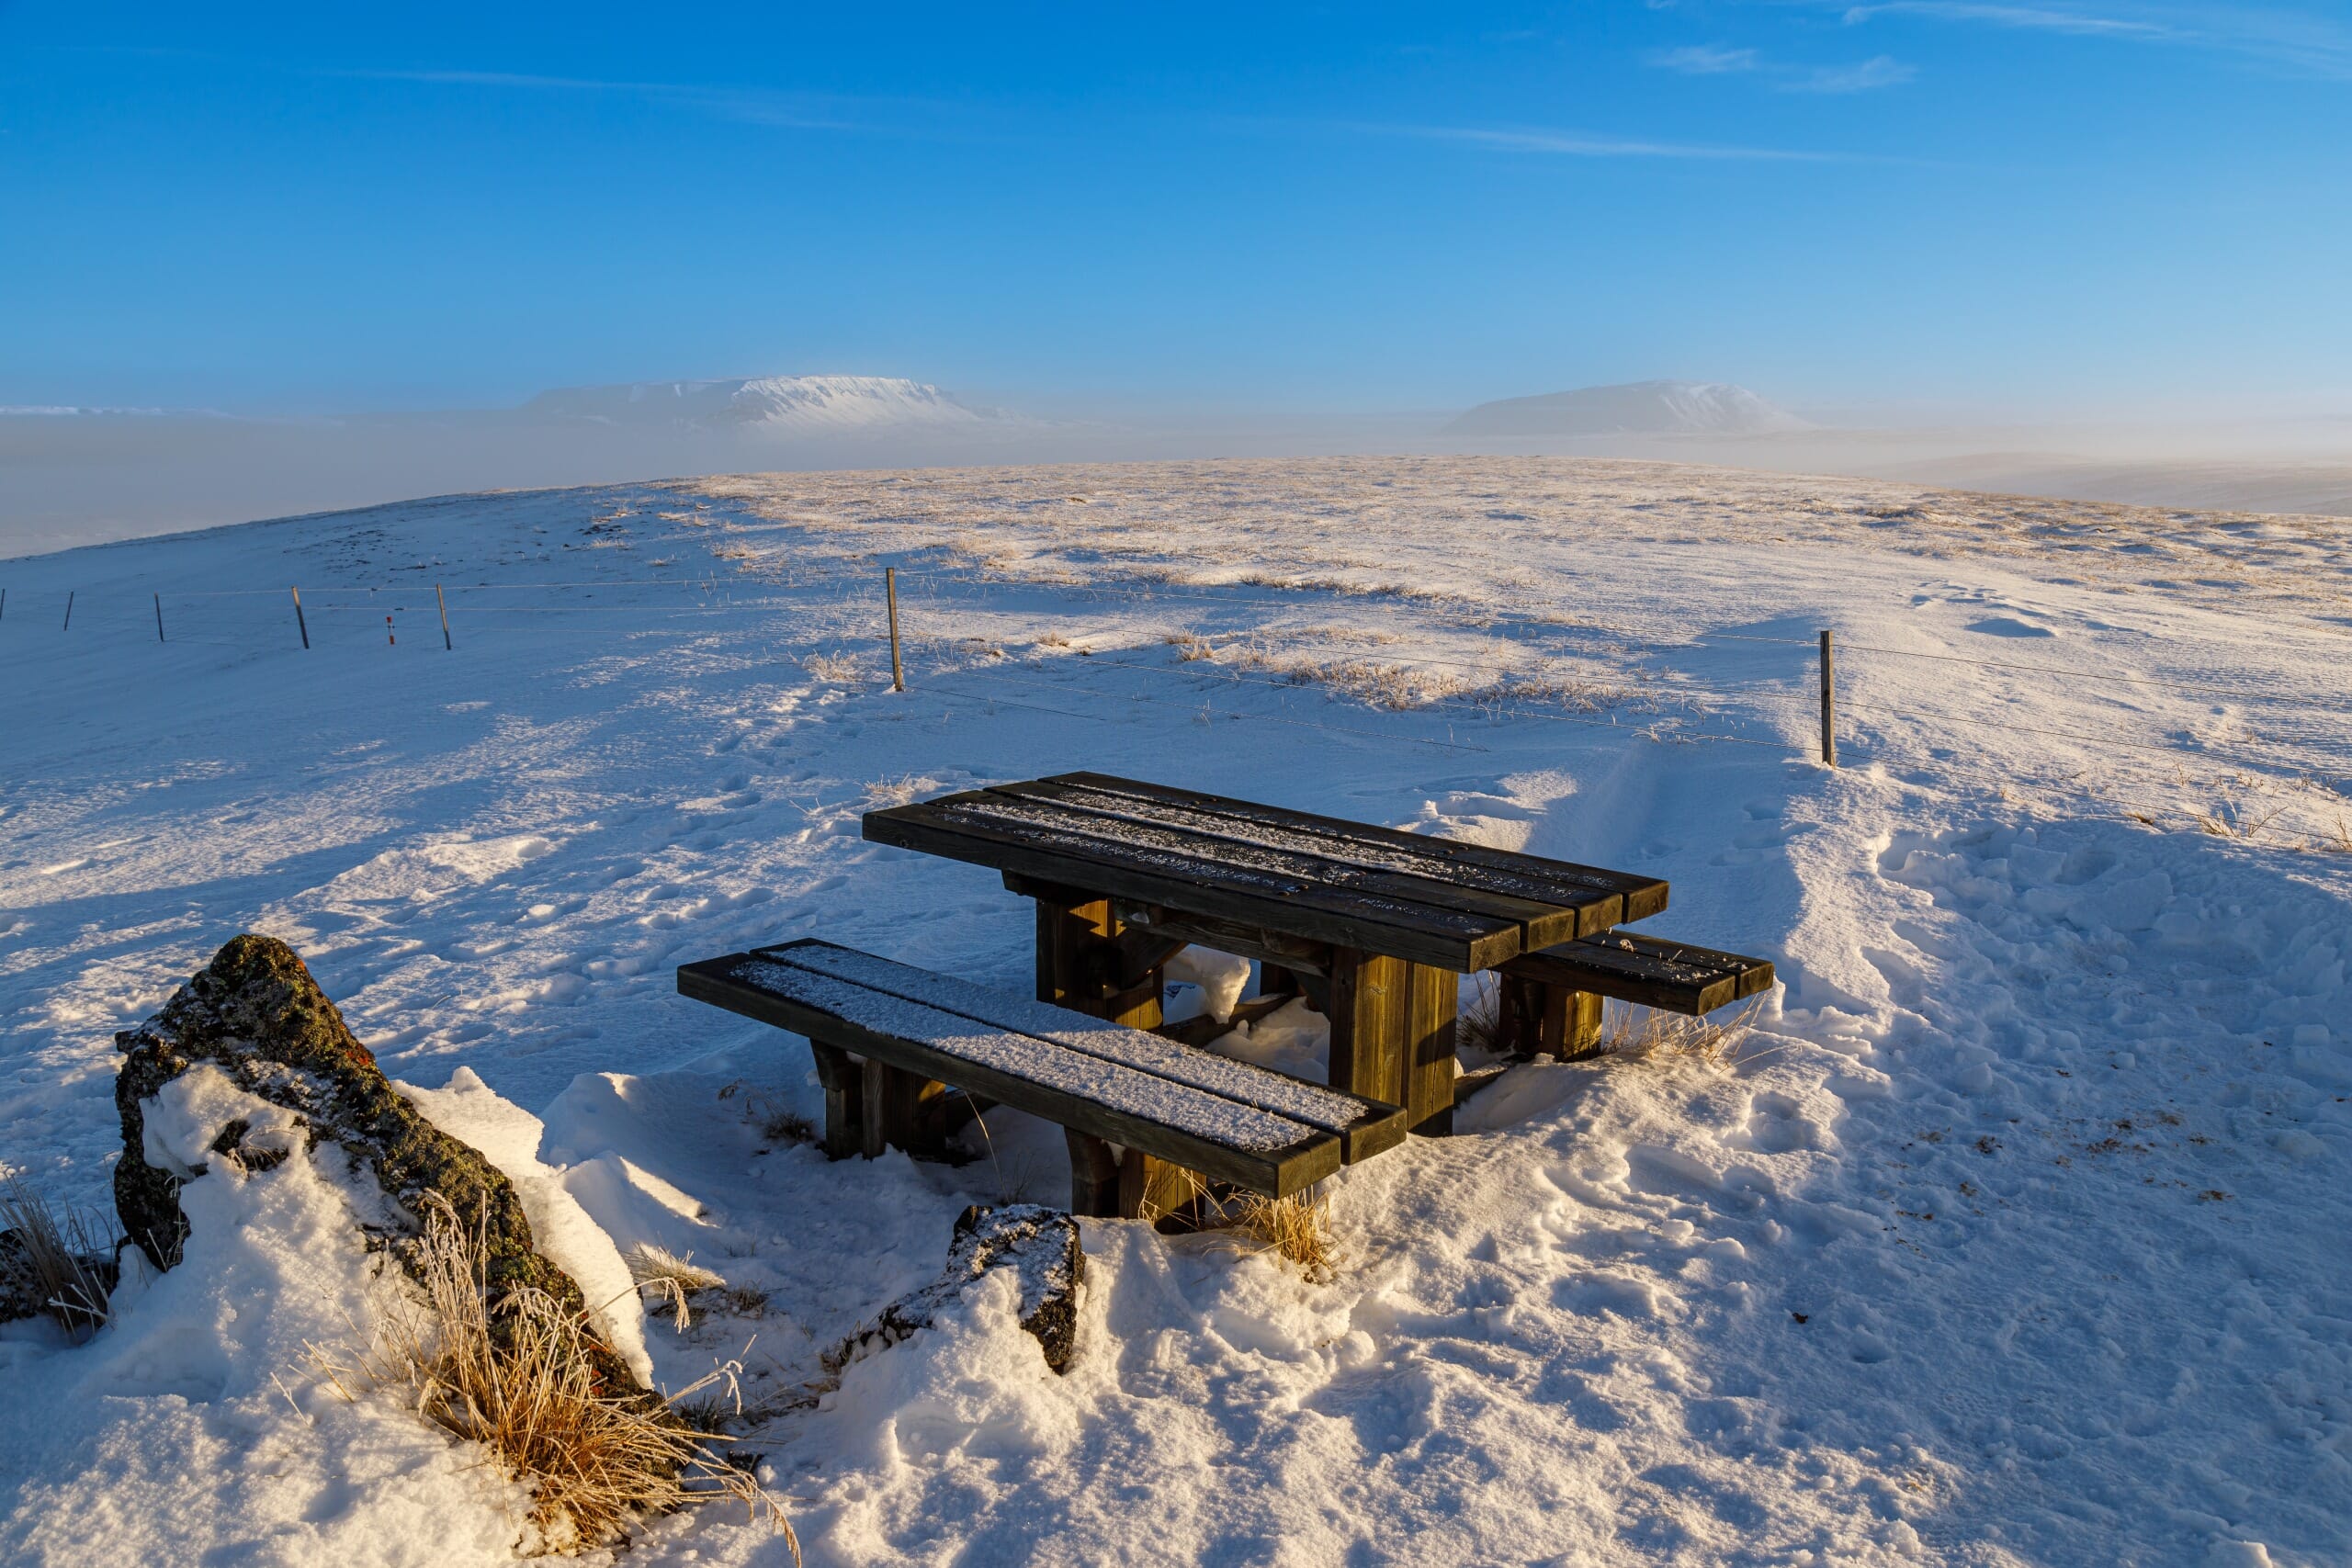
<point>845,1086</point>
<point>1124,1184</point>
<point>1577,1033</point>
<point>1084,964</point>
<point>894,1106</point>
<point>1094,1176</point>
<point>1392,1034</point>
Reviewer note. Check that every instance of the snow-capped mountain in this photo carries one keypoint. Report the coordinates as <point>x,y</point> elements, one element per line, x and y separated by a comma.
<point>1637,408</point>
<point>768,405</point>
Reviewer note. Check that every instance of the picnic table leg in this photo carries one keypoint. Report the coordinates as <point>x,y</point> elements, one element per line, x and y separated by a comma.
<point>1432,1011</point>
<point>1085,963</point>
<point>1392,1034</point>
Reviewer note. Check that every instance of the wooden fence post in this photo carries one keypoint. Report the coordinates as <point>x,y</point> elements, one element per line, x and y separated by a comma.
<point>890,589</point>
<point>445,618</point>
<point>1828,701</point>
<point>300,623</point>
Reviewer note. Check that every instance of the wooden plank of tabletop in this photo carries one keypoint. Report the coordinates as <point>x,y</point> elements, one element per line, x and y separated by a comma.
<point>1423,933</point>
<point>1543,922</point>
<point>1505,871</point>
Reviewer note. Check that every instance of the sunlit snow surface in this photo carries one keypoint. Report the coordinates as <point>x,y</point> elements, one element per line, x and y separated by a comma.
<point>2012,1234</point>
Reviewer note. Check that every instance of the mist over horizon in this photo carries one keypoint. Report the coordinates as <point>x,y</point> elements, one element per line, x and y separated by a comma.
<point>72,477</point>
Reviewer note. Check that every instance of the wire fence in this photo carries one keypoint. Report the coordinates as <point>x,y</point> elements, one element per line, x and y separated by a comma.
<point>1537,668</point>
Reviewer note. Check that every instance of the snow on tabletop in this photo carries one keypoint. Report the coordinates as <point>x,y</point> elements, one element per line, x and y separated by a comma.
<point>1141,1094</point>
<point>2012,1235</point>
<point>1541,881</point>
<point>1259,872</point>
<point>1285,1097</point>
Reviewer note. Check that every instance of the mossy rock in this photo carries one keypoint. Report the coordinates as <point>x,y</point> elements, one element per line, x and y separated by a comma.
<point>256,1013</point>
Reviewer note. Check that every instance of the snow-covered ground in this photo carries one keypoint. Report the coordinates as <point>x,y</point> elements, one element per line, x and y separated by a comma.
<point>2012,1233</point>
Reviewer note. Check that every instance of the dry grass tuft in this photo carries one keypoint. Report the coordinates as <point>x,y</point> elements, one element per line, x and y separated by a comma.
<point>59,1261</point>
<point>1479,1026</point>
<point>671,1277</point>
<point>781,1127</point>
<point>882,794</point>
<point>1296,1229</point>
<point>835,669</point>
<point>1630,1031</point>
<point>516,1378</point>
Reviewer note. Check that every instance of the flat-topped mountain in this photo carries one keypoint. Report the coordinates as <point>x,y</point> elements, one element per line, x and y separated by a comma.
<point>781,405</point>
<point>1637,408</point>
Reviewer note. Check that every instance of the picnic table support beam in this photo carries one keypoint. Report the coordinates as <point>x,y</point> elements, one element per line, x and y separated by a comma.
<point>1088,961</point>
<point>1536,1017</point>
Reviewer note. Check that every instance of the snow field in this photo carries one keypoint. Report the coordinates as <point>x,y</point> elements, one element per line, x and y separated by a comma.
<point>2010,1234</point>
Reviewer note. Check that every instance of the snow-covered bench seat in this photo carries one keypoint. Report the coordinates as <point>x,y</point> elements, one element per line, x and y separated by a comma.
<point>915,1035</point>
<point>1551,999</point>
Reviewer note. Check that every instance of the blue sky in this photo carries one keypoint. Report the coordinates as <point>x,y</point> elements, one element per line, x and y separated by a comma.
<point>2049,205</point>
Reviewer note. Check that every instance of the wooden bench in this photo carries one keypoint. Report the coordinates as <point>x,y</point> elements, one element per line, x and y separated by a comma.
<point>892,1041</point>
<point>1551,999</point>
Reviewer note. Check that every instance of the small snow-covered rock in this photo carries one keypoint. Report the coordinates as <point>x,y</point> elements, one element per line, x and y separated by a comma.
<point>1038,1244</point>
<point>249,1063</point>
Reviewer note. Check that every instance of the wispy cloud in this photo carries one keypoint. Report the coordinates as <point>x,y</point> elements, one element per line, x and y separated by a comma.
<point>1574,144</point>
<point>2295,40</point>
<point>1700,60</point>
<point>1880,70</point>
<point>747,105</point>
<point>2040,17</point>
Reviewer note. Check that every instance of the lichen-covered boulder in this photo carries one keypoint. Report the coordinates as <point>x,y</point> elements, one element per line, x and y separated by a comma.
<point>1039,1244</point>
<point>253,1022</point>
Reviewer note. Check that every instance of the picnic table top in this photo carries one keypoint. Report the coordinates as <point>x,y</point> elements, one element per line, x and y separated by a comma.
<point>1435,901</point>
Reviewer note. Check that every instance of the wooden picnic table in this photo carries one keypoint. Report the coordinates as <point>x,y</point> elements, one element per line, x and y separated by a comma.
<point>1374,925</point>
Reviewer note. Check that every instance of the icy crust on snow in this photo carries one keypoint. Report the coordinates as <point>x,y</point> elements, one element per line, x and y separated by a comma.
<point>1283,1096</point>
<point>1139,1094</point>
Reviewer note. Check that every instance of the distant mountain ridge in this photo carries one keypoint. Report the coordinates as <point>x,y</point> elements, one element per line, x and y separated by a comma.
<point>767,405</point>
<point>1634,408</point>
